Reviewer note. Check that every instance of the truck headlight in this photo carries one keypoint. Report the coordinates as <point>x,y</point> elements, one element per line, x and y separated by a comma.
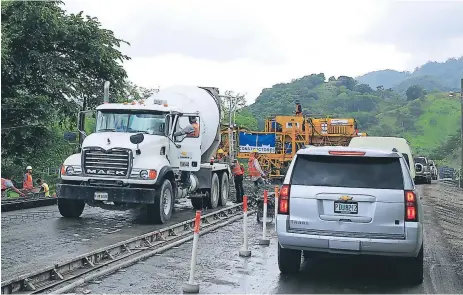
<point>145,174</point>
<point>70,170</point>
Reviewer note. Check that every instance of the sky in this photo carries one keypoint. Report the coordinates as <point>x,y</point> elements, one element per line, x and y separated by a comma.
<point>245,46</point>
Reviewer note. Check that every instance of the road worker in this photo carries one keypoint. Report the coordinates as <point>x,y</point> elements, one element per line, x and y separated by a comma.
<point>238,173</point>
<point>255,171</point>
<point>221,157</point>
<point>8,184</point>
<point>27,182</point>
<point>298,109</point>
<point>191,130</point>
<point>44,187</point>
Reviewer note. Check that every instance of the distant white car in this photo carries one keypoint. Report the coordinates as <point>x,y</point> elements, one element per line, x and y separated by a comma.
<point>350,201</point>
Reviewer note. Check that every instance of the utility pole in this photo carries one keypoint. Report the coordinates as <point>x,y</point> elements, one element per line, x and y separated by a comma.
<point>461,106</point>
<point>231,124</point>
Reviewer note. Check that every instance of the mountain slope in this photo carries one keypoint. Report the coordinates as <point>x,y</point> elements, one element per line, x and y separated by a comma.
<point>446,74</point>
<point>386,78</point>
<point>427,122</point>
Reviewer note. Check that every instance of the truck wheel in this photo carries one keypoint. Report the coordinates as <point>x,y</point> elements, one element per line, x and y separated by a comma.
<point>71,208</point>
<point>161,211</point>
<point>213,200</point>
<point>224,190</point>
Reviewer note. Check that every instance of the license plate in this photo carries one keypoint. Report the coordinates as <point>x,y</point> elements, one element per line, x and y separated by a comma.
<point>346,208</point>
<point>101,196</point>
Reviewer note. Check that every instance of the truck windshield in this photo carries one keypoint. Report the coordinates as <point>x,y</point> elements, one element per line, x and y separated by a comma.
<point>133,122</point>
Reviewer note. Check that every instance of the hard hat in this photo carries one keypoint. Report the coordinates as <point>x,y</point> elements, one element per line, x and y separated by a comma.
<point>255,151</point>
<point>220,151</point>
<point>28,168</point>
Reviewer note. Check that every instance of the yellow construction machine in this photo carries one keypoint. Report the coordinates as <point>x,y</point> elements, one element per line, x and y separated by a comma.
<point>283,136</point>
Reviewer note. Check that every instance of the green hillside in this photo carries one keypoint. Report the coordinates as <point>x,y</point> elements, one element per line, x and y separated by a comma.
<point>444,76</point>
<point>428,122</point>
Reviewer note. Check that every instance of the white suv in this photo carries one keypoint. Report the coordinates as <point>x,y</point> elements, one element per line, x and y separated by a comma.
<point>350,201</point>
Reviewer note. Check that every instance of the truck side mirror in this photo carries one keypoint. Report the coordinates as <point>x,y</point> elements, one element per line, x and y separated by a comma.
<point>137,138</point>
<point>70,136</point>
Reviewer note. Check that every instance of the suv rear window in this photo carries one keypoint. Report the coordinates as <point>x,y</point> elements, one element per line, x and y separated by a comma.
<point>355,172</point>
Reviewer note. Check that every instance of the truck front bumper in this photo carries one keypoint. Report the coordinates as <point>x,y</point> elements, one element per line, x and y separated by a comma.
<point>114,194</point>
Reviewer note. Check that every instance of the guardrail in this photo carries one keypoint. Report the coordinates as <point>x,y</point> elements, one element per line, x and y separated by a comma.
<point>116,256</point>
<point>36,200</point>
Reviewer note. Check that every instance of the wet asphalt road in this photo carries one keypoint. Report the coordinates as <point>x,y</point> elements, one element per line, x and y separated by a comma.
<point>221,270</point>
<point>38,237</point>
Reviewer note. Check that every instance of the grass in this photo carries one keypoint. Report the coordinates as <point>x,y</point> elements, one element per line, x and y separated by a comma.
<point>440,119</point>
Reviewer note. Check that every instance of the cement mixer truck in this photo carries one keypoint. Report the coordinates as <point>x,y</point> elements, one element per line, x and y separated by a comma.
<point>134,158</point>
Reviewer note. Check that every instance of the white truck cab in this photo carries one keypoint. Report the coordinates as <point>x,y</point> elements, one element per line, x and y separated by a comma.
<point>133,158</point>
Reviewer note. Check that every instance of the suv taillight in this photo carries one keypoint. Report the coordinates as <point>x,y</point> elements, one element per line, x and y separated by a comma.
<point>283,200</point>
<point>411,208</point>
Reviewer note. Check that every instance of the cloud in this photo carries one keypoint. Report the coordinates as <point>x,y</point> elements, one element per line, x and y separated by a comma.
<point>427,30</point>
<point>246,46</point>
<point>218,31</point>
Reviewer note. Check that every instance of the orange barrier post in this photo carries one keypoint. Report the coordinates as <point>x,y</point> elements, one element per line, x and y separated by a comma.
<point>264,240</point>
<point>191,286</point>
<point>277,193</point>
<point>245,252</point>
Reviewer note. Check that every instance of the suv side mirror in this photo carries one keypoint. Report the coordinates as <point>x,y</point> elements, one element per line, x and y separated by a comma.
<point>70,136</point>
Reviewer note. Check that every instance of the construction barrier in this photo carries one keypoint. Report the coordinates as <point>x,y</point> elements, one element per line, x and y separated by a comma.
<point>191,286</point>
<point>245,252</point>
<point>264,240</point>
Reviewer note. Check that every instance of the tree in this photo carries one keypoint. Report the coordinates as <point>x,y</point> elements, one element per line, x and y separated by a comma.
<point>237,101</point>
<point>135,92</point>
<point>349,82</point>
<point>49,57</point>
<point>414,92</point>
<point>332,79</point>
<point>363,88</point>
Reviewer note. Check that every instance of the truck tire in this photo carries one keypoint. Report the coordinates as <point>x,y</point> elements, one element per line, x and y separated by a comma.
<point>289,260</point>
<point>70,208</point>
<point>224,189</point>
<point>213,199</point>
<point>161,211</point>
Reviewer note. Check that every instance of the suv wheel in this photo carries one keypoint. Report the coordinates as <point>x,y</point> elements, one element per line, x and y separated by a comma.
<point>414,269</point>
<point>289,260</point>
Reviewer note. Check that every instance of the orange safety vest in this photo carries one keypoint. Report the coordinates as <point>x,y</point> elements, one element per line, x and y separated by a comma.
<point>27,184</point>
<point>3,183</point>
<point>252,170</point>
<point>238,170</point>
<point>196,132</point>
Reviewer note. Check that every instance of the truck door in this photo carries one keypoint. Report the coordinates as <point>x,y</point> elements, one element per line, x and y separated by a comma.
<point>186,152</point>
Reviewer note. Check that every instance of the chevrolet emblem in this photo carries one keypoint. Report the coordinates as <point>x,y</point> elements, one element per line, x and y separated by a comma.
<point>183,154</point>
<point>345,198</point>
